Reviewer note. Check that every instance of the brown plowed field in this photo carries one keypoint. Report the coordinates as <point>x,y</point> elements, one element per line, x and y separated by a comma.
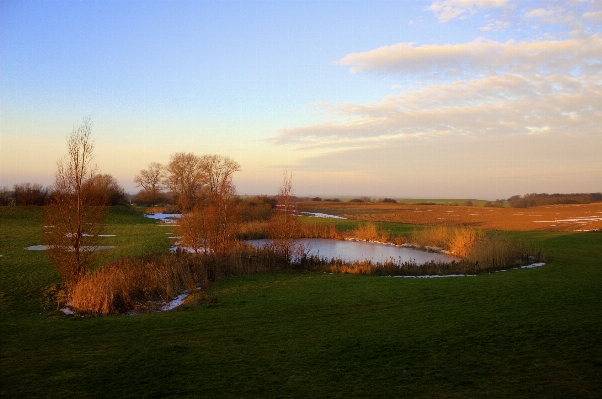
<point>580,217</point>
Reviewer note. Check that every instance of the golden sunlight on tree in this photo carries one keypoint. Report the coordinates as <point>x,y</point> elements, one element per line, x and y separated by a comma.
<point>74,217</point>
<point>184,178</point>
<point>284,227</point>
<point>212,223</point>
<point>151,180</point>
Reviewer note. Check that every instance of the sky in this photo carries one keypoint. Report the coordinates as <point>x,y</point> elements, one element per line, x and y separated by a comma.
<point>423,99</point>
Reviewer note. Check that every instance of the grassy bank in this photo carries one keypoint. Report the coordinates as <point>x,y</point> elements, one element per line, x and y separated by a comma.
<point>521,333</point>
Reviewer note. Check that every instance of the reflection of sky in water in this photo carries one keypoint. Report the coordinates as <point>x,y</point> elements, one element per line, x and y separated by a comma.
<point>357,250</point>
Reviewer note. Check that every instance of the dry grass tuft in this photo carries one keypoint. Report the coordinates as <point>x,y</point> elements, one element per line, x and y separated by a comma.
<point>457,240</point>
<point>318,230</point>
<point>252,230</point>
<point>370,232</point>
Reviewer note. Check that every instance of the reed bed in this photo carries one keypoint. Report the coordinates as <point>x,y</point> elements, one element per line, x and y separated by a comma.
<point>259,229</point>
<point>370,231</point>
<point>147,283</point>
<point>457,240</point>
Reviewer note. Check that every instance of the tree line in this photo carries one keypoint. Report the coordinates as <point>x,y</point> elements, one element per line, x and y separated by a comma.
<point>531,200</point>
<point>104,188</point>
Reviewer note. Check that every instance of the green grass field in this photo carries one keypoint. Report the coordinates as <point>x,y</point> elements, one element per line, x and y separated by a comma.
<point>532,333</point>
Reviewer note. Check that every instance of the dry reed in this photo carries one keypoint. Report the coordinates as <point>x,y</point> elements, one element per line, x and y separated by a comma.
<point>370,232</point>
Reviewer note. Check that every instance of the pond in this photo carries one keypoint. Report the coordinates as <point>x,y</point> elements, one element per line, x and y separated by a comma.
<point>351,251</point>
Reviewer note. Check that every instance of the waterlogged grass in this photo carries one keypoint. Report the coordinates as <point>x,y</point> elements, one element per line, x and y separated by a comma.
<point>520,334</point>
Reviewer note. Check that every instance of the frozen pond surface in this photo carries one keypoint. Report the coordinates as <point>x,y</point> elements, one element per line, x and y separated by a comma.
<point>84,248</point>
<point>350,251</point>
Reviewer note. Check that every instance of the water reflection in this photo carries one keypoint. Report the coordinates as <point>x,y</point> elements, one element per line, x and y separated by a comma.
<point>350,251</point>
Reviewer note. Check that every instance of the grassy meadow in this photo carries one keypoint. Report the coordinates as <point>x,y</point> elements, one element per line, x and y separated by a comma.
<point>516,334</point>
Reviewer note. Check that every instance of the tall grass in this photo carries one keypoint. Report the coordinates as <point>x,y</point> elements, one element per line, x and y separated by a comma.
<point>457,240</point>
<point>259,229</point>
<point>370,232</point>
<point>146,283</point>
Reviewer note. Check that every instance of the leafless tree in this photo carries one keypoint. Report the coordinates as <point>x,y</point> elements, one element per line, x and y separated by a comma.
<point>212,223</point>
<point>184,178</point>
<point>105,190</point>
<point>151,182</point>
<point>75,215</point>
<point>217,172</point>
<point>30,194</point>
<point>284,227</point>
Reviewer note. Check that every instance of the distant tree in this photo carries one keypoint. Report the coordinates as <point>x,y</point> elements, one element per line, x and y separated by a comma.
<point>184,178</point>
<point>389,200</point>
<point>30,194</point>
<point>6,197</point>
<point>216,172</point>
<point>105,190</point>
<point>151,182</point>
<point>256,208</point>
<point>75,213</point>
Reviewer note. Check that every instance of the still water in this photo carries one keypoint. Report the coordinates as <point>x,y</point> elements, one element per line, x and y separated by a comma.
<point>358,250</point>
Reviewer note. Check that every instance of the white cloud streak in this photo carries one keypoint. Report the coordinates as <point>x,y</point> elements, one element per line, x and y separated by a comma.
<point>493,106</point>
<point>446,10</point>
<point>481,56</point>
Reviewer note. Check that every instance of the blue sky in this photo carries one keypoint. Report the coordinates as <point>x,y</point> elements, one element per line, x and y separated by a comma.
<point>445,98</point>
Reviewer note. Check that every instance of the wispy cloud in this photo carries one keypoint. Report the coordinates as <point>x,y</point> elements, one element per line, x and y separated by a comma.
<point>511,88</point>
<point>493,106</point>
<point>480,56</point>
<point>446,10</point>
<point>481,110</point>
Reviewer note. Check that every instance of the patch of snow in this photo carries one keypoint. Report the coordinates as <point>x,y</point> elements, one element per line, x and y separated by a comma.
<point>84,248</point>
<point>322,215</point>
<point>437,276</point>
<point>576,219</point>
<point>532,265</point>
<point>190,250</point>
<point>37,248</point>
<point>177,301</point>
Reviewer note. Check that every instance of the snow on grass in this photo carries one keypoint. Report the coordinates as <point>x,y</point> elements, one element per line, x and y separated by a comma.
<point>177,301</point>
<point>322,215</point>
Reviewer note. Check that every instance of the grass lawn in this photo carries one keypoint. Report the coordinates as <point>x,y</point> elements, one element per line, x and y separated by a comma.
<point>518,334</point>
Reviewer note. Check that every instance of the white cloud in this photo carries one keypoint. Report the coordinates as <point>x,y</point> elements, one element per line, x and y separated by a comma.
<point>496,26</point>
<point>446,10</point>
<point>506,105</point>
<point>593,16</point>
<point>480,56</point>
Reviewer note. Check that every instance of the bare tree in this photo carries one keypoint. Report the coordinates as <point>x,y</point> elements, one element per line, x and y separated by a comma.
<point>284,227</point>
<point>75,214</point>
<point>30,194</point>
<point>151,180</point>
<point>184,178</point>
<point>213,221</point>
<point>105,190</point>
<point>217,172</point>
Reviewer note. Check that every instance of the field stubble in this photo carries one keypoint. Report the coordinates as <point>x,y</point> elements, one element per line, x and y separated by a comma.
<point>578,217</point>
